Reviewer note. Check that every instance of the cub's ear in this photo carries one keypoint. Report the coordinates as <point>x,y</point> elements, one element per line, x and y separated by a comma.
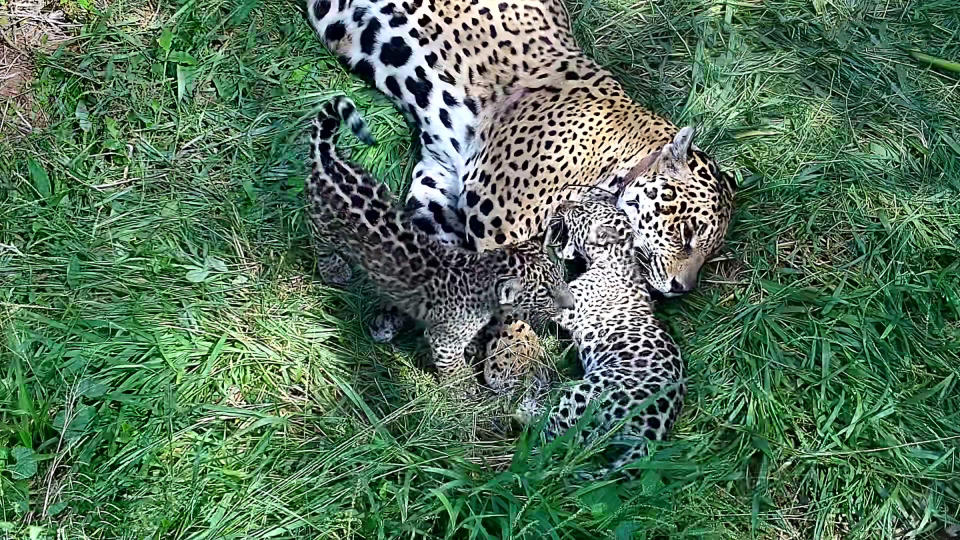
<point>552,231</point>
<point>673,156</point>
<point>508,290</point>
<point>731,182</point>
<point>557,237</point>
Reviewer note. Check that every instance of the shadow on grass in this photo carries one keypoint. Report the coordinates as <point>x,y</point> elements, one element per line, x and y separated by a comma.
<point>169,366</point>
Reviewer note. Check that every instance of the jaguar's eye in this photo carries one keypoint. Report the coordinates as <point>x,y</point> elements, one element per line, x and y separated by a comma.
<point>634,203</point>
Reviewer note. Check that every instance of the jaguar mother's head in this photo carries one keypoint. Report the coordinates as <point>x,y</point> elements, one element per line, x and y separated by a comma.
<point>679,204</point>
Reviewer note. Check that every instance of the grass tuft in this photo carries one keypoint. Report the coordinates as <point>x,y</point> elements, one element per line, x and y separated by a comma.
<point>170,367</point>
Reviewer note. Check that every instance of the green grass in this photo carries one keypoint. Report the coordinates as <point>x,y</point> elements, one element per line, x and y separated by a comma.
<point>170,367</point>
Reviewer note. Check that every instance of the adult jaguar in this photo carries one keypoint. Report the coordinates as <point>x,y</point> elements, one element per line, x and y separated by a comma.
<point>513,116</point>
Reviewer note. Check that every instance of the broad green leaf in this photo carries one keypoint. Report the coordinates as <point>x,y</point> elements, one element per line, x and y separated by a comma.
<point>83,116</point>
<point>241,13</point>
<point>226,89</point>
<point>197,275</point>
<point>217,264</point>
<point>165,39</point>
<point>25,463</point>
<point>761,444</point>
<point>602,501</point>
<point>185,79</point>
<point>113,144</point>
<point>170,209</point>
<point>625,531</point>
<point>40,179</point>
<point>112,127</point>
<point>56,508</point>
<point>652,482</point>
<point>82,417</point>
<point>182,57</point>
<point>73,271</point>
<point>248,189</point>
<point>91,389</point>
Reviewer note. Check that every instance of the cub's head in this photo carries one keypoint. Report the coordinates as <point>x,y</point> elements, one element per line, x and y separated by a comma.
<point>534,290</point>
<point>592,228</point>
<point>679,204</point>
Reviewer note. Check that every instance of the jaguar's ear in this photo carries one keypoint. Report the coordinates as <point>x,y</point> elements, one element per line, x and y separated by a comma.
<point>682,143</point>
<point>508,290</point>
<point>673,156</point>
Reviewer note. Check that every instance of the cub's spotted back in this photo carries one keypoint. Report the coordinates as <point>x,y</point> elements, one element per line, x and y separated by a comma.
<point>633,371</point>
<point>455,292</point>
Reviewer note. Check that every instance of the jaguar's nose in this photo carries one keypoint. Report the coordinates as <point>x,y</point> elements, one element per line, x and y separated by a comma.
<point>676,287</point>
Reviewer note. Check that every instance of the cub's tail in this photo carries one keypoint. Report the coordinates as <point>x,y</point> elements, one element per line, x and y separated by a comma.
<point>337,110</point>
<point>356,211</point>
<point>340,191</point>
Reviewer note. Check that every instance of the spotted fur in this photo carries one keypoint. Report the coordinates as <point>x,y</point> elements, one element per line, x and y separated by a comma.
<point>633,371</point>
<point>511,114</point>
<point>510,354</point>
<point>455,292</point>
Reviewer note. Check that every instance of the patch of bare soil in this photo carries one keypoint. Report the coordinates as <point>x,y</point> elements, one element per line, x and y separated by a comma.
<point>26,27</point>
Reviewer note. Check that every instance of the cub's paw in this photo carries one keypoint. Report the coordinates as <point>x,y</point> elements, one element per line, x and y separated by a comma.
<point>333,270</point>
<point>386,325</point>
<point>510,355</point>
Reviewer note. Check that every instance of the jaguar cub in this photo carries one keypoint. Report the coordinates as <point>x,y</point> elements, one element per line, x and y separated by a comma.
<point>633,372</point>
<point>453,291</point>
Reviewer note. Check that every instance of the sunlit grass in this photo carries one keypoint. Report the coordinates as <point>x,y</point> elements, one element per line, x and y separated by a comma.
<point>170,367</point>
